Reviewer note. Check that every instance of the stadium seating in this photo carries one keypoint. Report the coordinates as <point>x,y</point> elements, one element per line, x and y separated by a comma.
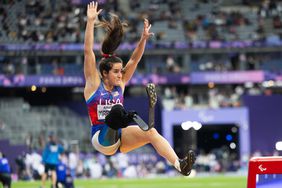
<point>35,121</point>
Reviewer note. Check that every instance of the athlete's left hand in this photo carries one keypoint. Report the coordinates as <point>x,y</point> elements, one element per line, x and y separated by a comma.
<point>146,31</point>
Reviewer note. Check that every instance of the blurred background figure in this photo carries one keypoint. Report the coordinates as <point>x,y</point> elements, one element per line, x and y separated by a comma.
<point>5,171</point>
<point>50,159</point>
<point>64,177</point>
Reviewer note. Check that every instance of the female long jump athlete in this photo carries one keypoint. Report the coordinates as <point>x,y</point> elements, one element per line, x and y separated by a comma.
<point>104,89</point>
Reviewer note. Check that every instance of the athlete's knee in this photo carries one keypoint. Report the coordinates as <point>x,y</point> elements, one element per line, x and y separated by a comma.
<point>152,131</point>
<point>151,134</point>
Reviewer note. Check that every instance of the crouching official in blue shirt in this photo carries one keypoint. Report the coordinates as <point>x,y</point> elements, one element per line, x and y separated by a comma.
<point>5,171</point>
<point>64,178</point>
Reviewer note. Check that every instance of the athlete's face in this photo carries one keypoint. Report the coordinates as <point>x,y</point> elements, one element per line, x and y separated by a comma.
<point>115,74</point>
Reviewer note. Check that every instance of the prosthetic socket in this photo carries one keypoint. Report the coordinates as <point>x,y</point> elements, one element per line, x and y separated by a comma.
<point>118,117</point>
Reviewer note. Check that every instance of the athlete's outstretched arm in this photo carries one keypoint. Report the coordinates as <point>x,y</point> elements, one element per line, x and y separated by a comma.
<point>137,53</point>
<point>90,71</point>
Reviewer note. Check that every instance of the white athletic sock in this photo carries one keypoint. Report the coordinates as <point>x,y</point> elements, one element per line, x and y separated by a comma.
<point>177,165</point>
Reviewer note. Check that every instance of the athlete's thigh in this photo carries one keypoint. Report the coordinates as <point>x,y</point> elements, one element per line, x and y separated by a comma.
<point>132,137</point>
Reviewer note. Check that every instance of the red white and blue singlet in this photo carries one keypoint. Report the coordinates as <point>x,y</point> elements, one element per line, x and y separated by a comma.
<point>100,104</point>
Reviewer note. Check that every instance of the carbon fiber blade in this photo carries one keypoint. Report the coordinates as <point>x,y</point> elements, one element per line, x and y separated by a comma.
<point>144,126</point>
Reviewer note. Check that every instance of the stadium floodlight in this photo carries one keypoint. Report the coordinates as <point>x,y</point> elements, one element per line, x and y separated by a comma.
<point>234,129</point>
<point>278,146</point>
<point>33,88</point>
<point>186,125</point>
<point>232,145</point>
<point>189,124</point>
<point>196,125</point>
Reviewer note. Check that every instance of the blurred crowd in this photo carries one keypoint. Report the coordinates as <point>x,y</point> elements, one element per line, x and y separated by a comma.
<point>145,163</point>
<point>96,165</point>
<point>53,21</point>
<point>159,64</point>
<point>142,163</point>
<point>197,97</point>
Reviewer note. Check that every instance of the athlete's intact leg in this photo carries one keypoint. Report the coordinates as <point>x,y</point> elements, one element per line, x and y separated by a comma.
<point>133,137</point>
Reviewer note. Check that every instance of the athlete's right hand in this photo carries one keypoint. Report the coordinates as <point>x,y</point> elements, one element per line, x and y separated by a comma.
<point>92,12</point>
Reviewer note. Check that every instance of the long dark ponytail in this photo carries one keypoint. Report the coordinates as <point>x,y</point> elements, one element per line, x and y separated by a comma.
<point>114,35</point>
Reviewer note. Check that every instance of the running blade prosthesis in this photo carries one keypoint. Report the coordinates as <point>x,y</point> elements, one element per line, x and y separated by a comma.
<point>152,95</point>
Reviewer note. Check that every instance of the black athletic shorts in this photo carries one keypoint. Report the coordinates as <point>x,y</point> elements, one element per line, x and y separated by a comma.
<point>50,167</point>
